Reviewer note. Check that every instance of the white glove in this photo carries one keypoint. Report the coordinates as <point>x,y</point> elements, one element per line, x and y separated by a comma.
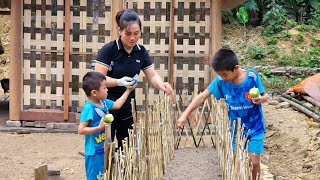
<point>125,81</point>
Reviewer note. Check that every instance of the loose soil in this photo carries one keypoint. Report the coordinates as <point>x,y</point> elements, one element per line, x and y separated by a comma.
<point>291,152</point>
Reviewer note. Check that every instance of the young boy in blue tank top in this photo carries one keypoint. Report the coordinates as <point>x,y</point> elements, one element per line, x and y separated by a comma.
<point>233,84</point>
<point>91,121</point>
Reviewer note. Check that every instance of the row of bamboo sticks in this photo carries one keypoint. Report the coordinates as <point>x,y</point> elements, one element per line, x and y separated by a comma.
<point>154,137</point>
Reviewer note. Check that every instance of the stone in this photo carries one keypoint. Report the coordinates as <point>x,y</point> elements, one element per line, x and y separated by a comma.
<point>273,102</point>
<point>10,123</point>
<point>283,105</point>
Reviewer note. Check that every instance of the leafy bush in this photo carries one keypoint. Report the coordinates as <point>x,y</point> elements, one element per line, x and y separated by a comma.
<point>300,39</point>
<point>271,40</point>
<point>274,19</point>
<point>315,18</point>
<point>303,28</point>
<point>227,17</point>
<point>291,23</point>
<point>242,16</point>
<point>285,35</point>
<point>256,52</point>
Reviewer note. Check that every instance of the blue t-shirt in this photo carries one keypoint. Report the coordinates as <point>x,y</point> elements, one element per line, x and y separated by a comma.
<point>239,102</point>
<point>91,112</point>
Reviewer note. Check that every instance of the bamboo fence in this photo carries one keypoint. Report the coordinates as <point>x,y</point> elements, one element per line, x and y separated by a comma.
<point>154,137</point>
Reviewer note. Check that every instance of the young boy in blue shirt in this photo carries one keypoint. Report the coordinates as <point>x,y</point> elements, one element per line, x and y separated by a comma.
<point>91,121</point>
<point>233,84</point>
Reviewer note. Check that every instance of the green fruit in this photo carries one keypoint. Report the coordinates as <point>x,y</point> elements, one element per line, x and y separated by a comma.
<point>108,118</point>
<point>254,92</point>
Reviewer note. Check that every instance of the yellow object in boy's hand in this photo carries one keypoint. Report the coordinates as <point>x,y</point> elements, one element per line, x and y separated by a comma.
<point>108,118</point>
<point>254,92</point>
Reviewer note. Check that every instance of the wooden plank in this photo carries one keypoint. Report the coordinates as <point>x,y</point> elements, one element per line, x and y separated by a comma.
<point>46,115</point>
<point>41,173</point>
<point>15,60</point>
<point>66,60</point>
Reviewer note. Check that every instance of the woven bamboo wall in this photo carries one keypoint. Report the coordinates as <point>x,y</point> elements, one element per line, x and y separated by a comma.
<point>90,29</point>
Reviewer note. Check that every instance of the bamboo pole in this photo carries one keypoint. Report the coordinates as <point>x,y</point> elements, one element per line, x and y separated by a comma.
<point>171,43</point>
<point>302,109</point>
<point>300,103</point>
<point>66,61</point>
<point>107,146</point>
<point>311,100</point>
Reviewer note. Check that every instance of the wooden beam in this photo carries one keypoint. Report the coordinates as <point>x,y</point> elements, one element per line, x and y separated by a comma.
<point>44,115</point>
<point>4,12</point>
<point>171,43</point>
<point>216,29</point>
<point>15,67</point>
<point>215,33</point>
<point>116,6</point>
<point>66,61</point>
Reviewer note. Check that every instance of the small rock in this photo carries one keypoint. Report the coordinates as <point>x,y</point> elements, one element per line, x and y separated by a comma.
<point>269,134</point>
<point>273,102</point>
<point>283,105</point>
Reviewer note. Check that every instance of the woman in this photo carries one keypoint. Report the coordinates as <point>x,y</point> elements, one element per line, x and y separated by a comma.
<point>122,59</point>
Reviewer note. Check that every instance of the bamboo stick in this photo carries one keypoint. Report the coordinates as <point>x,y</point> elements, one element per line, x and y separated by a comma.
<point>302,109</point>
<point>311,100</point>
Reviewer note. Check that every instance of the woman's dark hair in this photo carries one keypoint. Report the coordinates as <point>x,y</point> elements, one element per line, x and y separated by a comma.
<point>224,59</point>
<point>92,81</point>
<point>126,17</point>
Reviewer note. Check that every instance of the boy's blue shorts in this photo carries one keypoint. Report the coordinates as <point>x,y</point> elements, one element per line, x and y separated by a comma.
<point>94,165</point>
<point>256,144</point>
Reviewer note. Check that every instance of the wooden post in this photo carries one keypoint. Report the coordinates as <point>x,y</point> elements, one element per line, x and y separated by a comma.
<point>15,60</point>
<point>171,43</point>
<point>215,33</point>
<point>107,147</point>
<point>66,61</point>
<point>116,6</point>
<point>41,173</point>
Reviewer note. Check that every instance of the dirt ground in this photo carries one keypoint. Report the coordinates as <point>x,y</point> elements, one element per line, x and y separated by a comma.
<point>291,152</point>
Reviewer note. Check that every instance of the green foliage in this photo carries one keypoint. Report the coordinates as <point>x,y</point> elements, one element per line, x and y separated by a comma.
<point>303,28</point>
<point>315,18</point>
<point>284,61</point>
<point>308,59</point>
<point>271,40</point>
<point>291,23</point>
<point>276,83</point>
<point>256,52</point>
<point>315,4</point>
<point>285,35</point>
<point>251,5</point>
<point>274,19</point>
<point>242,16</point>
<point>300,39</point>
<point>273,51</point>
<point>227,16</point>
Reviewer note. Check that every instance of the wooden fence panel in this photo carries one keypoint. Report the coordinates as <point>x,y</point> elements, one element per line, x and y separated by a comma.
<point>90,29</point>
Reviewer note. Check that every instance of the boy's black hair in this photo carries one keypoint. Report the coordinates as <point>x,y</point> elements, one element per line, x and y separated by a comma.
<point>92,81</point>
<point>224,59</point>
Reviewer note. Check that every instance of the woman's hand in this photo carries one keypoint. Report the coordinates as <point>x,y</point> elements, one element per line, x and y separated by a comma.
<point>125,81</point>
<point>166,87</point>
